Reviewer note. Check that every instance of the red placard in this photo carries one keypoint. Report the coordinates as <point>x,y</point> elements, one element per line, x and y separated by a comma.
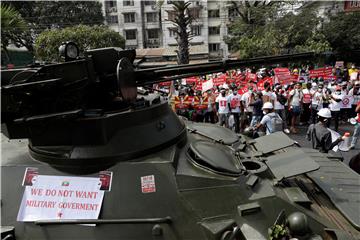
<point>350,6</point>
<point>320,72</point>
<point>250,77</point>
<point>163,84</point>
<point>191,80</point>
<point>219,81</point>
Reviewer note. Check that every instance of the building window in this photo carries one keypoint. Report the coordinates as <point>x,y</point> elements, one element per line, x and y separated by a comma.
<point>129,17</point>
<point>128,3</point>
<point>233,12</point>
<point>194,13</point>
<point>153,33</point>
<point>214,13</point>
<point>171,15</point>
<point>110,6</point>
<point>152,17</point>
<point>214,47</point>
<point>111,3</point>
<point>172,32</point>
<point>196,30</point>
<point>130,34</point>
<point>214,30</point>
<point>112,19</point>
<point>149,3</point>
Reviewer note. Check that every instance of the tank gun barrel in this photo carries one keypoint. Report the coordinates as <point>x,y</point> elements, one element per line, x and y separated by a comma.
<point>163,74</point>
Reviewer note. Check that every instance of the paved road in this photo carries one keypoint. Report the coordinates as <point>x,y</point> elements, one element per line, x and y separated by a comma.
<point>301,139</point>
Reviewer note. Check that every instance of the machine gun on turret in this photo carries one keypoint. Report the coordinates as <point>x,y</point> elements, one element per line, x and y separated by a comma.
<point>91,102</point>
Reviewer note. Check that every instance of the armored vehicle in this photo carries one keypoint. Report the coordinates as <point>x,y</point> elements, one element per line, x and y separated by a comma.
<point>170,178</point>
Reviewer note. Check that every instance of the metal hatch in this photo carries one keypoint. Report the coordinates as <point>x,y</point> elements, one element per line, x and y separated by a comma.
<point>273,142</point>
<point>215,159</point>
<point>291,163</point>
<point>217,133</point>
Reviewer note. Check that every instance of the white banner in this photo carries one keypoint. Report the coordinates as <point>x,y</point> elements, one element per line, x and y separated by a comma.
<point>61,197</point>
<point>207,85</point>
<point>347,101</point>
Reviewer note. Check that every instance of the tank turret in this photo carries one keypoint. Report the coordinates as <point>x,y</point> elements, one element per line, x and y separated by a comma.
<point>171,178</point>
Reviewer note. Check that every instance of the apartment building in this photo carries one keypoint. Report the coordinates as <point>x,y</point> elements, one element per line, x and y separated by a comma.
<point>147,24</point>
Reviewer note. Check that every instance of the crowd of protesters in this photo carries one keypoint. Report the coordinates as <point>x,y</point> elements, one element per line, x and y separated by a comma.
<point>254,101</point>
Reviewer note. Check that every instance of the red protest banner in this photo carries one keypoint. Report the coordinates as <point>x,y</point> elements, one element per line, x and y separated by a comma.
<point>191,80</point>
<point>281,71</point>
<point>164,84</point>
<point>219,81</point>
<point>350,6</point>
<point>250,77</point>
<point>260,84</point>
<point>320,72</point>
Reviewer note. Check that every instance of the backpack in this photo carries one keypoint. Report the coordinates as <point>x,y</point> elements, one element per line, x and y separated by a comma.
<point>276,123</point>
<point>281,99</point>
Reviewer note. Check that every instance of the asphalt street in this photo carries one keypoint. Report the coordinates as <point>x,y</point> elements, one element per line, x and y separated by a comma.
<point>300,137</point>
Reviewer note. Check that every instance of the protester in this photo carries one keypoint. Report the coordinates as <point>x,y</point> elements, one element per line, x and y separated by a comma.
<point>234,101</point>
<point>256,102</point>
<point>222,108</point>
<point>356,128</point>
<point>319,135</point>
<point>306,105</point>
<point>270,119</point>
<point>335,106</point>
<point>279,106</point>
<point>295,102</point>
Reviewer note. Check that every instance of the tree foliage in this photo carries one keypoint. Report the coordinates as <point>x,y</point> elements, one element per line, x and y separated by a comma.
<point>182,21</point>
<point>86,37</point>
<point>343,31</point>
<point>12,24</point>
<point>269,31</point>
<point>43,15</point>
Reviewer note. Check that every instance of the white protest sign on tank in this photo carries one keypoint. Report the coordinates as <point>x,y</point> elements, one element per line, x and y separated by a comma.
<point>61,197</point>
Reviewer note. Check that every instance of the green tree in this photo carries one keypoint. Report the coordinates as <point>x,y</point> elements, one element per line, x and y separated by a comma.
<point>182,21</point>
<point>343,31</point>
<point>271,32</point>
<point>12,24</point>
<point>86,37</point>
<point>43,15</point>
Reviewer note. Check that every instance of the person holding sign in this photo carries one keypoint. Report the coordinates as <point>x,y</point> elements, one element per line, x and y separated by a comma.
<point>320,135</point>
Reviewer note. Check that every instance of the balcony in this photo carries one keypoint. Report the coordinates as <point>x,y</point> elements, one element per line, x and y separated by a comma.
<point>111,10</point>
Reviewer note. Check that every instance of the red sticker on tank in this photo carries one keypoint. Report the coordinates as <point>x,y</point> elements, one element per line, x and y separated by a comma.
<point>148,184</point>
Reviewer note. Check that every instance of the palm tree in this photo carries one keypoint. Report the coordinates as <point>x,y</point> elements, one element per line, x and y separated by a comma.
<point>12,24</point>
<point>182,20</point>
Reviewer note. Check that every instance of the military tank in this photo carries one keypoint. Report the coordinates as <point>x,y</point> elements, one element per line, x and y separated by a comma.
<point>170,178</point>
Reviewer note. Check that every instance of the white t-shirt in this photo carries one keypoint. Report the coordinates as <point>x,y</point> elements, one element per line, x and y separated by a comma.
<point>317,100</point>
<point>245,98</point>
<point>234,101</point>
<point>306,96</point>
<point>223,104</point>
<point>334,105</point>
<point>268,94</point>
<point>296,97</point>
<point>277,104</point>
<point>356,96</point>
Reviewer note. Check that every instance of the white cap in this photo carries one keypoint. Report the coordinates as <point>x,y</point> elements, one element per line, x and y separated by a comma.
<point>314,84</point>
<point>324,112</point>
<point>267,105</point>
